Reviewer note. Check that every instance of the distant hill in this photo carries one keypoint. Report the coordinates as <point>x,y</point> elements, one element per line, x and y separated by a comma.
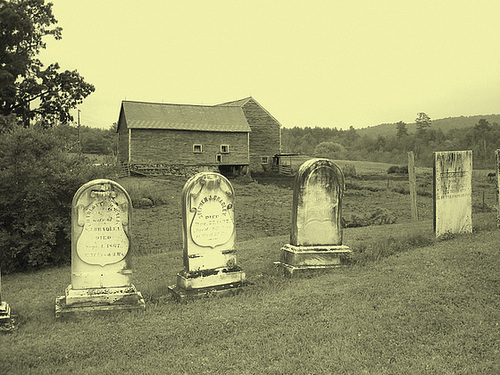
<point>445,124</point>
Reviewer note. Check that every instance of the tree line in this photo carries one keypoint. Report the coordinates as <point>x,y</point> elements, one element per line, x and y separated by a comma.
<point>483,139</point>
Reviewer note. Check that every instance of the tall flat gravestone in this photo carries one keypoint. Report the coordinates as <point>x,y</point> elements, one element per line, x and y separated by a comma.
<point>497,158</point>
<point>316,234</point>
<point>100,251</point>
<point>6,319</point>
<point>208,238</point>
<point>452,192</point>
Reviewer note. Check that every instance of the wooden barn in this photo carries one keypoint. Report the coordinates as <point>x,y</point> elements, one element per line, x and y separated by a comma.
<point>180,139</point>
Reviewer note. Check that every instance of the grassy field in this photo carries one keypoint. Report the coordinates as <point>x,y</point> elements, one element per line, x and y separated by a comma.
<point>431,310</point>
<point>408,305</point>
<point>263,207</point>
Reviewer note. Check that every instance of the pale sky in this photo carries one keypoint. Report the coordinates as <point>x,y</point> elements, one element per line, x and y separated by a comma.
<point>332,63</point>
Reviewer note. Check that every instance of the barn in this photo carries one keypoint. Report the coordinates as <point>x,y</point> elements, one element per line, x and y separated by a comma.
<point>179,139</point>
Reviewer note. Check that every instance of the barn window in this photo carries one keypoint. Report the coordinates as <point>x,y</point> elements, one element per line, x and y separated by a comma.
<point>197,148</point>
<point>224,149</point>
<point>218,158</point>
<point>264,160</point>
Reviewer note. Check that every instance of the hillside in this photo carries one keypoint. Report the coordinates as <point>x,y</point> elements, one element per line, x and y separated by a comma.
<point>445,124</point>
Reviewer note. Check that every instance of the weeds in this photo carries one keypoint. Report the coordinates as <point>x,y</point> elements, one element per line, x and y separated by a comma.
<point>373,251</point>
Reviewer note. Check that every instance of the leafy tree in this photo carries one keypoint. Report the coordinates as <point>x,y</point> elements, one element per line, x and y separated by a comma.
<point>402,131</point>
<point>423,122</point>
<point>37,182</point>
<point>23,79</point>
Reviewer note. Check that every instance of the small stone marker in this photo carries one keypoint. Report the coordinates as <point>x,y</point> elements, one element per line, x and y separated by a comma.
<point>6,319</point>
<point>452,192</point>
<point>100,251</point>
<point>316,235</point>
<point>208,239</point>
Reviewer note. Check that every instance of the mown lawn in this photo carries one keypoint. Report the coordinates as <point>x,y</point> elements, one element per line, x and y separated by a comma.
<point>428,310</point>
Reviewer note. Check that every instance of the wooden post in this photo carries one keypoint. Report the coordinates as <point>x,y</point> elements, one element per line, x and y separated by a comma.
<point>497,170</point>
<point>413,186</point>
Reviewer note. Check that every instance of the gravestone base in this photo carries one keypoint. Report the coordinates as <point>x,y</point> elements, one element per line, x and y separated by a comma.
<point>305,259</point>
<point>99,299</point>
<point>6,319</point>
<point>207,283</point>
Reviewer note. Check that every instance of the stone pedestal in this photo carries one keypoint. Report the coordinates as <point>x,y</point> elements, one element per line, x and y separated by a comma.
<point>6,319</point>
<point>205,284</point>
<point>99,299</point>
<point>298,259</point>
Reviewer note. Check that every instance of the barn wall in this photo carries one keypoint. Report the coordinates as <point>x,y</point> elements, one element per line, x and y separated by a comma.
<point>163,146</point>
<point>122,140</point>
<point>264,137</point>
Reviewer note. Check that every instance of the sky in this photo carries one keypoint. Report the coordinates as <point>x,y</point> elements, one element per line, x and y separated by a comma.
<point>332,63</point>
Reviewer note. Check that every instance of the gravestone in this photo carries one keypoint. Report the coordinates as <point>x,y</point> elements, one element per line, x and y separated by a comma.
<point>6,318</point>
<point>100,251</point>
<point>497,173</point>
<point>452,192</point>
<point>316,234</point>
<point>208,239</point>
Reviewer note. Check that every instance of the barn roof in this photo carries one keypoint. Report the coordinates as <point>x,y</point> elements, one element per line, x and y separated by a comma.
<point>237,103</point>
<point>142,115</point>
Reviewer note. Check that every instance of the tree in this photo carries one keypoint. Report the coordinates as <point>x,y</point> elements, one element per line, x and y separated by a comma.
<point>402,131</point>
<point>423,123</point>
<point>23,79</point>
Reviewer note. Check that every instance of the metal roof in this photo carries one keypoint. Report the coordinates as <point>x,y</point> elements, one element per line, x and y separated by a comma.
<point>142,115</point>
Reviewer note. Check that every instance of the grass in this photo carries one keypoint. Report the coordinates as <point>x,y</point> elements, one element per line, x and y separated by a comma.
<point>433,309</point>
<point>407,305</point>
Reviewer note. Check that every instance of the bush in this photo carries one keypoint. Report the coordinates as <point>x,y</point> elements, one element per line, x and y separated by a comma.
<point>37,182</point>
<point>397,169</point>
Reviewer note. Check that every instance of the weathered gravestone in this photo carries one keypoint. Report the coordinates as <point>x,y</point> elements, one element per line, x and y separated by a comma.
<point>316,235</point>
<point>100,251</point>
<point>452,192</point>
<point>208,239</point>
<point>497,158</point>
<point>6,319</point>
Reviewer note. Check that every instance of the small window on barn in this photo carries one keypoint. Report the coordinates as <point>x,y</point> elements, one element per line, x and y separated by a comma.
<point>218,158</point>
<point>224,149</point>
<point>197,149</point>
<point>264,159</point>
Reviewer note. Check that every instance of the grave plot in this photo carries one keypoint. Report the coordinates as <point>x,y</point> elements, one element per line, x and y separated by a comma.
<point>208,238</point>
<point>316,234</point>
<point>100,251</point>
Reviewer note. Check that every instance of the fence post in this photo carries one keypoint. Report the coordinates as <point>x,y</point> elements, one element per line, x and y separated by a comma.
<point>412,178</point>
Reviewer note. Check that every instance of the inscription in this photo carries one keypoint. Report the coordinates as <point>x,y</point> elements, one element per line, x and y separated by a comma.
<point>103,240</point>
<point>212,224</point>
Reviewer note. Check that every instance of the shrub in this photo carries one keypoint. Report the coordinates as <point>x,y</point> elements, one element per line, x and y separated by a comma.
<point>37,182</point>
<point>397,169</point>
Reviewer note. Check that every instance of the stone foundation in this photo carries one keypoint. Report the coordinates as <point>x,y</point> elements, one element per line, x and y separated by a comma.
<point>171,170</point>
